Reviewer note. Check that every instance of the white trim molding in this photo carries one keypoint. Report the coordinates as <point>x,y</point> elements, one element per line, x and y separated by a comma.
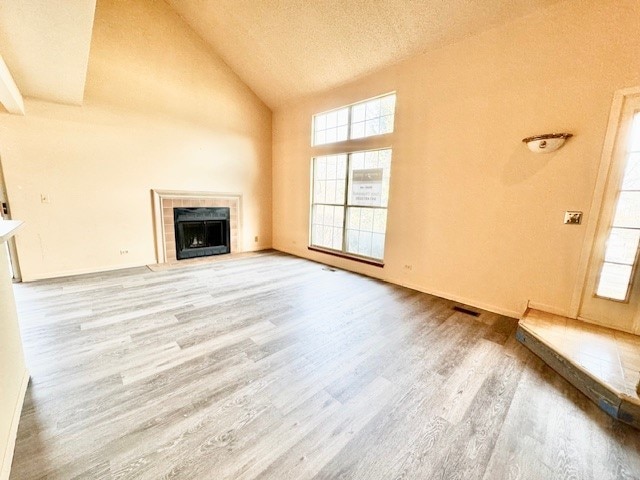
<point>619,100</point>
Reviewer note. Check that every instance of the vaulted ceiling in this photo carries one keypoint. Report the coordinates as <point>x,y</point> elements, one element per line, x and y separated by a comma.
<point>282,49</point>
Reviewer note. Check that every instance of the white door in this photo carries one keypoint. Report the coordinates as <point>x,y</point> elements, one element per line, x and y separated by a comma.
<point>611,295</point>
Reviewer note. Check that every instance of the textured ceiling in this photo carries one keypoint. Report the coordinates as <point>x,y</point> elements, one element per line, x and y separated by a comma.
<point>45,44</point>
<point>284,49</point>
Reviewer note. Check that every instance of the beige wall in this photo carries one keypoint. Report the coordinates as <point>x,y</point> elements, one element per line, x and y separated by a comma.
<point>476,215</point>
<point>161,111</point>
<point>13,373</point>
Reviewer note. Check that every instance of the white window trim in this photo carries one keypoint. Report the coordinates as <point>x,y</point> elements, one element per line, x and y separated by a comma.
<point>606,159</point>
<point>343,252</point>
<point>348,147</point>
<point>349,140</point>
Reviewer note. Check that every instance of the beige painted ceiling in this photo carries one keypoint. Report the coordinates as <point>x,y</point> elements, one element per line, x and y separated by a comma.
<point>45,44</point>
<point>284,49</point>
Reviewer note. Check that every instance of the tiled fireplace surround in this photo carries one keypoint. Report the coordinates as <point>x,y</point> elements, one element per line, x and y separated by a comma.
<point>165,201</point>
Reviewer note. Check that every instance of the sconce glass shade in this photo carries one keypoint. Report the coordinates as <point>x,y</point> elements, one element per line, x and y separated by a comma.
<point>547,143</point>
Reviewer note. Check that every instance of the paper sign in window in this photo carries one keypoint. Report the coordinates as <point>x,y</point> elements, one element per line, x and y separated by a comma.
<point>366,187</point>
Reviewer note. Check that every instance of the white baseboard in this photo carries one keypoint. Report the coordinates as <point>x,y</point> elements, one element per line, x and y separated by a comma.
<point>467,301</point>
<point>7,456</point>
<point>82,271</point>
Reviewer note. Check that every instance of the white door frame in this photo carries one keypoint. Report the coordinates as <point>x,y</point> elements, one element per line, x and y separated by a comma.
<point>619,100</point>
<point>11,243</point>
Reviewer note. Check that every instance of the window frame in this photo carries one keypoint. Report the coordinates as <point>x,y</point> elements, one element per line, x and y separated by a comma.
<point>348,147</point>
<point>343,253</point>
<point>349,117</point>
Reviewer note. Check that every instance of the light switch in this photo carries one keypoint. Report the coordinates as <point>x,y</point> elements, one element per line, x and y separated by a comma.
<point>572,218</point>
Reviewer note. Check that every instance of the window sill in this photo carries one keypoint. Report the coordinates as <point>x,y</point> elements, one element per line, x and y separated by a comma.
<point>355,258</point>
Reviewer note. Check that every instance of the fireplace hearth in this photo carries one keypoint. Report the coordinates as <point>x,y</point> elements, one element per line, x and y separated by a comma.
<point>201,232</point>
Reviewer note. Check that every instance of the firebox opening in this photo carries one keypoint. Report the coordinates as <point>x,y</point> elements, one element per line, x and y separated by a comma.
<point>201,232</point>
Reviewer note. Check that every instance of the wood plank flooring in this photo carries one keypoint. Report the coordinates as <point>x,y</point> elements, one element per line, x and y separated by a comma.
<point>274,367</point>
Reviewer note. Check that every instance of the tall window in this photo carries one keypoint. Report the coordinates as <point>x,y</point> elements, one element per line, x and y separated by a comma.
<point>350,190</point>
<point>621,251</point>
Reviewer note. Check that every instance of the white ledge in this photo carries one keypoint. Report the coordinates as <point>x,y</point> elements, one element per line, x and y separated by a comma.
<point>10,96</point>
<point>8,229</point>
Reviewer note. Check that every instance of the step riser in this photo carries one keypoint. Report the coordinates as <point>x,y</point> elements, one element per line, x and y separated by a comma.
<point>606,399</point>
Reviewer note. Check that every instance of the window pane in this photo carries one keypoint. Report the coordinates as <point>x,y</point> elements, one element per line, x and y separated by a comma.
<point>365,231</point>
<point>329,175</point>
<point>354,218</point>
<point>357,160</point>
<point>380,220</point>
<point>369,176</point>
<point>337,238</point>
<point>331,193</point>
<point>339,195</point>
<point>614,281</point>
<point>371,128</point>
<point>622,246</point>
<point>352,240</point>
<point>357,130</point>
<point>332,119</point>
<point>319,192</point>
<point>377,245</point>
<point>326,226</point>
<point>328,216</point>
<point>628,210</point>
<point>373,117</point>
<point>320,171</point>
<point>631,179</point>
<point>372,109</point>
<point>388,105</point>
<point>364,244</point>
<point>343,116</point>
<point>330,167</point>
<point>320,138</point>
<point>316,232</point>
<point>342,133</point>
<point>366,219</point>
<point>358,112</point>
<point>386,124</point>
<point>338,217</point>
<point>320,122</point>
<point>341,166</point>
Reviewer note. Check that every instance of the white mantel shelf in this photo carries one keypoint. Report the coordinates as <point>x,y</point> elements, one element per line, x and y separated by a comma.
<point>8,229</point>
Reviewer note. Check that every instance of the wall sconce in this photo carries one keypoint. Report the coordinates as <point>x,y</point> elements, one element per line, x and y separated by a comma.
<point>547,143</point>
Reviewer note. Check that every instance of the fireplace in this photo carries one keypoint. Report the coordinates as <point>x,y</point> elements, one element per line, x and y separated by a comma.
<point>201,232</point>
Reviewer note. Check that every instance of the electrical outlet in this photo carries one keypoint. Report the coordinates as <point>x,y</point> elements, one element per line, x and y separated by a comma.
<point>572,218</point>
<point>124,252</point>
<point>255,239</point>
<point>44,198</point>
<point>408,267</point>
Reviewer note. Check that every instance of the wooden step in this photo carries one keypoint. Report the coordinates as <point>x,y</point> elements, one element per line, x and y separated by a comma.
<point>602,363</point>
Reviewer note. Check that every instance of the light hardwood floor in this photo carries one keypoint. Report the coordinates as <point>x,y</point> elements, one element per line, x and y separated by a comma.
<point>274,367</point>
